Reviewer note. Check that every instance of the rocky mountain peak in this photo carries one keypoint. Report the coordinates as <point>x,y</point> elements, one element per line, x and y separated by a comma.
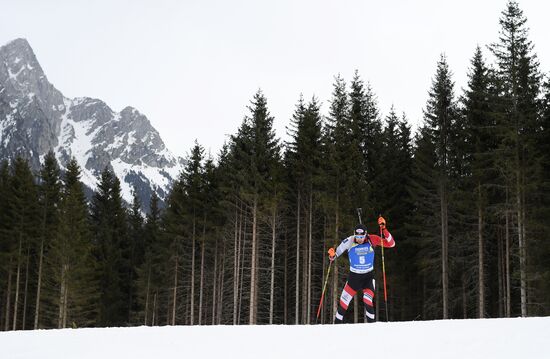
<point>35,118</point>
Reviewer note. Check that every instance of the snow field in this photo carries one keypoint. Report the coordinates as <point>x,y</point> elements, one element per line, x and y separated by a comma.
<point>464,339</point>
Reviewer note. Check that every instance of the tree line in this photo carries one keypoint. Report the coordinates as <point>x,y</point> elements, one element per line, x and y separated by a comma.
<point>242,238</point>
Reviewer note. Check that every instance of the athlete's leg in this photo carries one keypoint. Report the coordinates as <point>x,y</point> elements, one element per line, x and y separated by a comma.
<point>368,299</point>
<point>352,286</point>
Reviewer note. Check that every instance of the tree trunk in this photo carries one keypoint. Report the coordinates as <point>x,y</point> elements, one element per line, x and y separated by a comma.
<point>241,271</point>
<point>521,241</point>
<point>304,280</point>
<point>192,305</point>
<point>175,290</point>
<point>285,279</point>
<point>444,247</point>
<point>61,297</point>
<point>236,264</point>
<point>201,285</point>
<point>525,246</point>
<point>335,278</point>
<point>297,295</point>
<point>26,291</point>
<point>238,231</point>
<point>153,321</point>
<point>214,284</point>
<point>16,302</point>
<point>8,297</point>
<point>222,286</point>
<point>481,274</point>
<point>147,295</point>
<point>272,284</point>
<point>310,229</point>
<point>501,275</point>
<point>39,284</point>
<point>464,298</point>
<point>253,303</point>
<point>507,259</point>
<point>66,299</point>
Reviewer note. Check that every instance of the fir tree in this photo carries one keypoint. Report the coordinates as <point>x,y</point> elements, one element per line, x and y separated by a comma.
<point>366,128</point>
<point>112,250</point>
<point>520,80</point>
<point>479,145</point>
<point>255,153</point>
<point>71,265</point>
<point>50,198</point>
<point>440,119</point>
<point>192,187</point>
<point>23,221</point>
<point>135,235</point>
<point>5,246</point>
<point>149,272</point>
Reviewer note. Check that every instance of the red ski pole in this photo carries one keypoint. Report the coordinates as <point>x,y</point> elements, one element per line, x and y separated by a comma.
<point>323,293</point>
<point>384,272</point>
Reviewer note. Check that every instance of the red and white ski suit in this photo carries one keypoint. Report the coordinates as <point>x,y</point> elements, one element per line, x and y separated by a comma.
<point>361,276</point>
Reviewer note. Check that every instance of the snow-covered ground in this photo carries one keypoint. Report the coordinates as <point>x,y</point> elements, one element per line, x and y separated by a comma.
<point>464,339</point>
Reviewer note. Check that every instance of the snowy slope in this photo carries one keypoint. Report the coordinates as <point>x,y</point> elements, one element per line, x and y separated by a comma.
<point>464,339</point>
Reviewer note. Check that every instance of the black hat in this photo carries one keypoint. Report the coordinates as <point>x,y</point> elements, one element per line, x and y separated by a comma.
<point>360,229</point>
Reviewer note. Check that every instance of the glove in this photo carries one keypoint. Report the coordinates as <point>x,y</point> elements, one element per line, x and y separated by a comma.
<point>331,254</point>
<point>382,222</point>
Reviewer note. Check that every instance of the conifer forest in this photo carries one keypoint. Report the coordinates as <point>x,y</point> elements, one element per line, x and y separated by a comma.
<point>242,237</point>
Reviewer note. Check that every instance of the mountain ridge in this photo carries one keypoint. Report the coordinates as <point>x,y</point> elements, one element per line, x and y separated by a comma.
<point>35,117</point>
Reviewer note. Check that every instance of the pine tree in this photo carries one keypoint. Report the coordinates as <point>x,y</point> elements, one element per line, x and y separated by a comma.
<point>518,73</point>
<point>340,155</point>
<point>479,145</point>
<point>149,273</point>
<point>397,205</point>
<point>255,152</point>
<point>70,264</point>
<point>366,127</point>
<point>303,161</point>
<point>5,247</point>
<point>440,118</point>
<point>22,220</point>
<point>192,186</point>
<point>424,221</point>
<point>542,254</point>
<point>135,235</point>
<point>112,250</point>
<point>50,202</point>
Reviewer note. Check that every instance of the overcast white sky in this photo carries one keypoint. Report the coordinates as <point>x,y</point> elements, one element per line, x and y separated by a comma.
<point>192,66</point>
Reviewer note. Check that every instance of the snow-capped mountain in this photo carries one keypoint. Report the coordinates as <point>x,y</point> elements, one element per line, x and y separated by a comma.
<point>35,117</point>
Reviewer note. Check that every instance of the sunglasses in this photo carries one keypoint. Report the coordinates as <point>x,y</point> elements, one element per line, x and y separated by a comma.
<point>360,236</point>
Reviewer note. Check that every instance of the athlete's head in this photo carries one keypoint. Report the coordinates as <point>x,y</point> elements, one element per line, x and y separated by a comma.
<point>360,233</point>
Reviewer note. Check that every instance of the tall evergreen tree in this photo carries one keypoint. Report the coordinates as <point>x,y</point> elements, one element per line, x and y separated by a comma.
<point>303,161</point>
<point>136,242</point>
<point>255,151</point>
<point>112,250</point>
<point>479,145</point>
<point>192,187</point>
<point>440,118</point>
<point>366,130</point>
<point>5,247</point>
<point>23,221</point>
<point>50,203</point>
<point>70,262</point>
<point>149,276</point>
<point>520,78</point>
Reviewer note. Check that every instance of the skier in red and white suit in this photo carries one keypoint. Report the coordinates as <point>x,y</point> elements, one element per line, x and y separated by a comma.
<point>360,248</point>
